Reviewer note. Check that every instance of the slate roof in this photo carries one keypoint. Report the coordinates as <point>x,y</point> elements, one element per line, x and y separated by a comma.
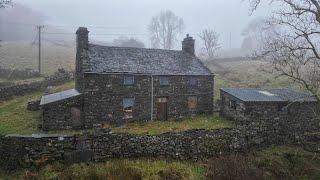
<point>58,96</point>
<point>105,59</point>
<point>269,95</point>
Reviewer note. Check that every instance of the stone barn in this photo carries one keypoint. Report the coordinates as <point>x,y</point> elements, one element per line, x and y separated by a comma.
<point>123,84</point>
<point>274,106</point>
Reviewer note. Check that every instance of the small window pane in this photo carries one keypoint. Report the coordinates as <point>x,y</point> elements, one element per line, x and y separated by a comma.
<point>193,81</point>
<point>128,102</point>
<point>128,80</point>
<point>164,80</point>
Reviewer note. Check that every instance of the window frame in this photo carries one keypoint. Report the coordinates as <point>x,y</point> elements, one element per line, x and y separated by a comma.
<point>128,113</point>
<point>161,80</point>
<point>196,99</point>
<point>233,104</point>
<point>125,78</point>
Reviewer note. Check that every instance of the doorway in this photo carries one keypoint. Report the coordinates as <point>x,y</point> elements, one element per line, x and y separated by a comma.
<point>162,108</point>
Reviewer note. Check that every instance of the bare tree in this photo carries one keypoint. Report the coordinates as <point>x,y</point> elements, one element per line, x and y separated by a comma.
<point>293,46</point>
<point>164,29</point>
<point>5,3</point>
<point>210,39</point>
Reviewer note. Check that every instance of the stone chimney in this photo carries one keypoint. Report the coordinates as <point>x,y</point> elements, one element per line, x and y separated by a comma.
<point>81,56</point>
<point>188,45</point>
<point>82,38</point>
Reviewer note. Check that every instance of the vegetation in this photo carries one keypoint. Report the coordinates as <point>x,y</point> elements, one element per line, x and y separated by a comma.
<point>159,127</point>
<point>20,55</point>
<point>14,118</point>
<point>270,163</point>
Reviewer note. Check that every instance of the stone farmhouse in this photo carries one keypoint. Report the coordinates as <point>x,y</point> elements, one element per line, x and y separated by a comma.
<point>120,84</point>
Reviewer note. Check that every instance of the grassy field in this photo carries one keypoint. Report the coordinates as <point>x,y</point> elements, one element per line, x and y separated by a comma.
<point>14,118</point>
<point>270,163</point>
<point>22,55</point>
<point>159,127</point>
<point>245,73</point>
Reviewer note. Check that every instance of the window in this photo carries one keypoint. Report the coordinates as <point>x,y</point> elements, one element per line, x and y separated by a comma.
<point>233,104</point>
<point>75,114</point>
<point>192,102</point>
<point>164,80</point>
<point>128,80</point>
<point>128,107</point>
<point>193,81</point>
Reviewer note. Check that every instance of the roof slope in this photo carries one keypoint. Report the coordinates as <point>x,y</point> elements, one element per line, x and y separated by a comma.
<point>268,95</point>
<point>50,98</point>
<point>104,59</point>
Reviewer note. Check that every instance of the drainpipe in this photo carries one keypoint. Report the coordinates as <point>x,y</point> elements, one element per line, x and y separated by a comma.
<point>151,98</point>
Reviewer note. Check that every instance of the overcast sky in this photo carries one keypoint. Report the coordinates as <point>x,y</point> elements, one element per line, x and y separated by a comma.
<point>227,17</point>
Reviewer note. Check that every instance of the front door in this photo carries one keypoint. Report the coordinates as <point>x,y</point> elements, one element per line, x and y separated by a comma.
<point>162,109</point>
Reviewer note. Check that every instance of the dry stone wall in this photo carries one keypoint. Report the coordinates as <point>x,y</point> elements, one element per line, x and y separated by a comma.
<point>32,151</point>
<point>102,144</point>
<point>18,73</point>
<point>22,89</point>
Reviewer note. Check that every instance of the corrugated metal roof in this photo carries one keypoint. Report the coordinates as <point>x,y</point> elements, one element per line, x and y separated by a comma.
<point>141,60</point>
<point>58,96</point>
<point>268,95</point>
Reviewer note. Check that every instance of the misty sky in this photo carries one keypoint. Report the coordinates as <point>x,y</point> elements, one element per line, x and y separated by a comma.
<point>225,16</point>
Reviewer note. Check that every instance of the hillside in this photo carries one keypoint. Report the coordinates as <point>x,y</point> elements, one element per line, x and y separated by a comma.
<point>23,55</point>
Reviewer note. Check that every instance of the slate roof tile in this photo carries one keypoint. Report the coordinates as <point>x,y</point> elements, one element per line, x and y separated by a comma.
<point>104,59</point>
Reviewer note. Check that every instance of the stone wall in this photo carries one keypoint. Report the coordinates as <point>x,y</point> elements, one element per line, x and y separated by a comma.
<point>62,115</point>
<point>18,73</point>
<point>21,89</point>
<point>103,95</point>
<point>32,151</point>
<point>102,144</point>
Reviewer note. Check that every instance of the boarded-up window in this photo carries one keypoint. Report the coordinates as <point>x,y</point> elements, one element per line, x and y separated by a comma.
<point>164,80</point>
<point>128,107</point>
<point>192,102</point>
<point>76,117</point>
<point>128,80</point>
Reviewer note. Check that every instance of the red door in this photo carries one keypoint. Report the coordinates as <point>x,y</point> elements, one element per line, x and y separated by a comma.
<point>162,109</point>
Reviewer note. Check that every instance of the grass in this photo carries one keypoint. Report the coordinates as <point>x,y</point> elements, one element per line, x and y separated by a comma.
<point>21,55</point>
<point>116,169</point>
<point>245,74</point>
<point>14,117</point>
<point>281,162</point>
<point>159,127</point>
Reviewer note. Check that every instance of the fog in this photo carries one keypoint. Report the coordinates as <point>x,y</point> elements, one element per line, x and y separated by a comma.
<point>131,17</point>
